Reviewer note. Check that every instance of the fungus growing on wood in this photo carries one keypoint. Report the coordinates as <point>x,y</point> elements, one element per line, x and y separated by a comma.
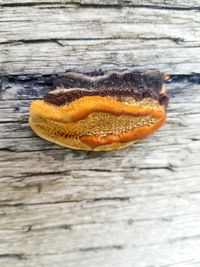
<point>103,112</point>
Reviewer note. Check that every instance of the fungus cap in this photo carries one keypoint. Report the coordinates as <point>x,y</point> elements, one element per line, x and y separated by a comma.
<point>101,113</point>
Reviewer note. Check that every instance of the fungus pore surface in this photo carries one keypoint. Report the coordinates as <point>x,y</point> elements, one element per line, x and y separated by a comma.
<point>103,112</point>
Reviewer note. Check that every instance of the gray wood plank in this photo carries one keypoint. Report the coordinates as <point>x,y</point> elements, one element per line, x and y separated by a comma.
<point>86,37</point>
<point>138,206</point>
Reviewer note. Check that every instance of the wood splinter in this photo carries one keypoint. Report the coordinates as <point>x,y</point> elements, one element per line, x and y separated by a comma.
<point>103,112</point>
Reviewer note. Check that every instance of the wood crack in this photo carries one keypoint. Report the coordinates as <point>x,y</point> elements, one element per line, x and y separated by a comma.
<point>166,7</point>
<point>77,4</point>
<point>169,168</point>
<point>19,256</point>
<point>113,199</point>
<point>118,247</point>
<point>59,40</point>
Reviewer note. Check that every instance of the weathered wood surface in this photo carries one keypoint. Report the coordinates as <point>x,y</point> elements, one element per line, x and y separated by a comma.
<point>51,36</point>
<point>138,206</point>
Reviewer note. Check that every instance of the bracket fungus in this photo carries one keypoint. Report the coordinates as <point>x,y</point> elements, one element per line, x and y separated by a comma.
<point>103,112</point>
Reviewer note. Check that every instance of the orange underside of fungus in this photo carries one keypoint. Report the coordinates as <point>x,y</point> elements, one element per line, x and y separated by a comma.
<point>101,113</point>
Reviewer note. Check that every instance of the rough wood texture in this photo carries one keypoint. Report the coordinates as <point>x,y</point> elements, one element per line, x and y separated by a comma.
<point>136,207</point>
<point>52,36</point>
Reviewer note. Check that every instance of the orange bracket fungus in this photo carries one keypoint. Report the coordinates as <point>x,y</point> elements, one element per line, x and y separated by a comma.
<point>103,112</point>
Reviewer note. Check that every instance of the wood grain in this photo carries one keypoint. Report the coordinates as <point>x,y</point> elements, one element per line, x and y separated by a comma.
<point>136,207</point>
<point>61,207</point>
<point>48,37</point>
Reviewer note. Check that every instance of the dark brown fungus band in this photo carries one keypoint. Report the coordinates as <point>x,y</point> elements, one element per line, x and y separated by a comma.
<point>138,85</point>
